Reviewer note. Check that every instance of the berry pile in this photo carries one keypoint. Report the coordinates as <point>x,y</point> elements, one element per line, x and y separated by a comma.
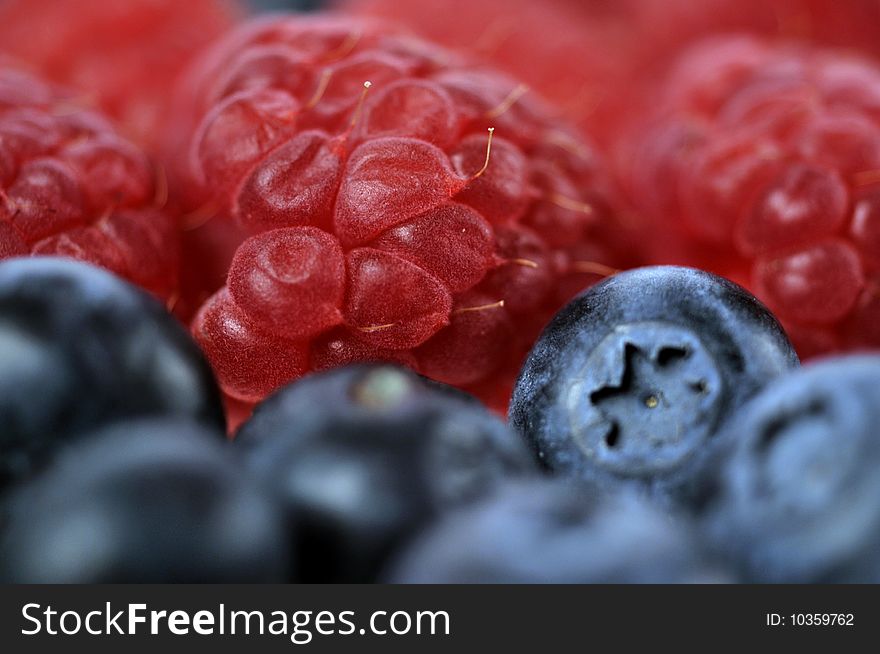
<point>123,55</point>
<point>343,194</point>
<point>384,221</point>
<point>680,386</point>
<point>762,163</point>
<point>665,401</point>
<point>71,186</point>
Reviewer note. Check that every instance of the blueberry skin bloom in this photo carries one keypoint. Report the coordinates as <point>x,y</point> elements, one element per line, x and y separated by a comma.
<point>798,498</point>
<point>147,501</point>
<point>363,456</point>
<point>630,382</point>
<point>80,348</point>
<point>553,531</point>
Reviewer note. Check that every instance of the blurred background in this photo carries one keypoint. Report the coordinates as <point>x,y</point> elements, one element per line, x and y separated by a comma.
<point>596,59</point>
<point>296,5</point>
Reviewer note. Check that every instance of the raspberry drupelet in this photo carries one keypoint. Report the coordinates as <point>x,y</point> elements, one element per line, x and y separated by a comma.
<point>123,54</point>
<point>400,204</point>
<point>762,163</point>
<point>71,186</point>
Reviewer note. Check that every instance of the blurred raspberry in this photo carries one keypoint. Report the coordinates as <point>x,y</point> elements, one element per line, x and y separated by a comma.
<point>762,162</point>
<point>71,186</point>
<point>592,57</point>
<point>376,228</point>
<point>123,54</point>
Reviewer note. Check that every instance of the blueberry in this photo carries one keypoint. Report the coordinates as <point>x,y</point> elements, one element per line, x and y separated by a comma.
<point>554,532</point>
<point>146,501</point>
<point>630,381</point>
<point>80,349</point>
<point>798,496</point>
<point>364,455</point>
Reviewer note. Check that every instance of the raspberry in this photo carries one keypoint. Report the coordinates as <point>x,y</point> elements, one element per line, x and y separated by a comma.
<point>70,186</point>
<point>124,54</point>
<point>383,220</point>
<point>761,162</point>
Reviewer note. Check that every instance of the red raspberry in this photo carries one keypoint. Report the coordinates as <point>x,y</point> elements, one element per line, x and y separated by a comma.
<point>71,186</point>
<point>594,56</point>
<point>762,163</point>
<point>124,54</point>
<point>384,225</point>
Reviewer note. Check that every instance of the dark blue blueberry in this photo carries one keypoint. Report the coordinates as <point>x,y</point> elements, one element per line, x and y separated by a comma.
<point>145,501</point>
<point>630,382</point>
<point>555,532</point>
<point>799,492</point>
<point>80,348</point>
<point>364,455</point>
